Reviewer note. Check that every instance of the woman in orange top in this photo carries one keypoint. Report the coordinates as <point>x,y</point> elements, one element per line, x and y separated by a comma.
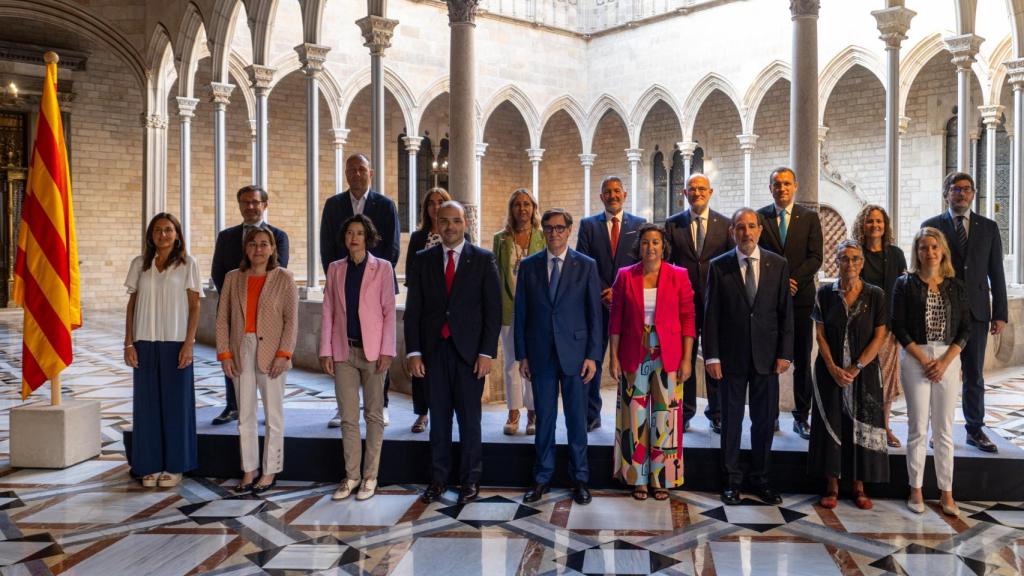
<point>256,332</point>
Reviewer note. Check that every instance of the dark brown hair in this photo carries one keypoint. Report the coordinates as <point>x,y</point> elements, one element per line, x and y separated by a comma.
<point>249,237</point>
<point>426,223</point>
<point>666,248</point>
<point>862,217</point>
<point>178,254</point>
<point>552,212</point>
<point>369,230</point>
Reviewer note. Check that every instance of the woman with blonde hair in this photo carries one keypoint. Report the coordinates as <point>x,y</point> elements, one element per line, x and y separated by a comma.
<point>520,238</point>
<point>931,319</point>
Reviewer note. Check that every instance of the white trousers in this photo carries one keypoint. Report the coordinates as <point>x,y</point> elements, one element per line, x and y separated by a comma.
<point>932,402</point>
<point>518,391</point>
<point>271,390</point>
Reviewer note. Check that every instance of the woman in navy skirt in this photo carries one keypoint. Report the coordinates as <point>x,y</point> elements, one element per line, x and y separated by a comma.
<point>160,329</point>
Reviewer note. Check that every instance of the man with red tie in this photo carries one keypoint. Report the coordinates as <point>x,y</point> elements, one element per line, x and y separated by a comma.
<point>452,321</point>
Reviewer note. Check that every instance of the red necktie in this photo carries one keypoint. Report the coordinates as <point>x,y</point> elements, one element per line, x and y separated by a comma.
<point>449,277</point>
<point>615,236</point>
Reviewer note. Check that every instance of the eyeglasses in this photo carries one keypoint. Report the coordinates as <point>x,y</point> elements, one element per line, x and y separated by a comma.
<point>961,189</point>
<point>557,228</point>
<point>259,245</point>
<point>701,189</point>
<point>850,259</point>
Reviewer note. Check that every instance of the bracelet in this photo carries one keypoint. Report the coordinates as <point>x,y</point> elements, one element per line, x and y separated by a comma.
<point>127,346</point>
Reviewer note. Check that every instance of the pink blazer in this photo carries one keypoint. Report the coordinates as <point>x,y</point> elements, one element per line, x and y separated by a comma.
<point>376,311</point>
<point>673,314</point>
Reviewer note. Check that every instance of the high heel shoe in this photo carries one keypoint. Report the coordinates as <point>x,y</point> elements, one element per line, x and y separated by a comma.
<point>915,506</point>
<point>951,509</point>
<point>258,488</point>
<point>244,487</point>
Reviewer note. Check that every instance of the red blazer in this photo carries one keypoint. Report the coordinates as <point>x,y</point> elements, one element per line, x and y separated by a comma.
<point>673,315</point>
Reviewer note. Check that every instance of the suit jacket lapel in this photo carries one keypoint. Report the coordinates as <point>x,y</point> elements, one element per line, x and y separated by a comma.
<point>687,221</point>
<point>604,235</point>
<point>568,268</point>
<point>462,264</point>
<point>772,224</point>
<point>734,263</point>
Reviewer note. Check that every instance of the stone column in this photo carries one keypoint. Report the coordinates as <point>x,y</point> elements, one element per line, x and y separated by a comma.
<point>481,149</point>
<point>220,96</point>
<point>261,76</point>
<point>747,144</point>
<point>535,154</point>
<point>803,100</point>
<point>893,24</point>
<point>377,32</point>
<point>255,151</point>
<point>904,125</point>
<point>963,48</point>
<point>587,161</point>
<point>633,155</point>
<point>155,169</point>
<point>412,146</point>
<point>462,116</point>
<point>686,149</point>
<point>972,162</point>
<point>312,57</point>
<point>186,109</point>
<point>1015,75</point>
<point>990,116</point>
<point>340,139</point>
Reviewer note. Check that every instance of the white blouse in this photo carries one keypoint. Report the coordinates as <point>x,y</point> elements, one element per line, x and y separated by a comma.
<point>650,298</point>
<point>161,304</point>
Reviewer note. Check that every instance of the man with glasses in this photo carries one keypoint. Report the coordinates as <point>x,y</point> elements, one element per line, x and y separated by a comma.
<point>558,332</point>
<point>977,250</point>
<point>608,238</point>
<point>227,255</point>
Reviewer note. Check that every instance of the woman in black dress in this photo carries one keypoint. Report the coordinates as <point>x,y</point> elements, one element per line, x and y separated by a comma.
<point>848,436</point>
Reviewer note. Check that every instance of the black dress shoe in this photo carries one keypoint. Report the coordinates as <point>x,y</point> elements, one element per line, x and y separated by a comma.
<point>980,441</point>
<point>258,488</point>
<point>580,493</point>
<point>469,492</point>
<point>802,428</point>
<point>243,488</point>
<point>593,424</point>
<point>534,494</point>
<point>768,495</point>
<point>716,426</point>
<point>228,415</point>
<point>731,496</point>
<point>432,493</point>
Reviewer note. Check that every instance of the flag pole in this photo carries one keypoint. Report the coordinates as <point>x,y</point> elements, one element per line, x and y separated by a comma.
<point>55,390</point>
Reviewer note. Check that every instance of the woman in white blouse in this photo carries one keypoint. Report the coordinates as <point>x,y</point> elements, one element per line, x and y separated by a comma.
<point>160,330</point>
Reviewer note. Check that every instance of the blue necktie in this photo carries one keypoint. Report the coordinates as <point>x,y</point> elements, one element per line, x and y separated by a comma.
<point>556,274</point>
<point>783,226</point>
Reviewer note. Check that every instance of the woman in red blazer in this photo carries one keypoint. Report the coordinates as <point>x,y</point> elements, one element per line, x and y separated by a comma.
<point>651,330</point>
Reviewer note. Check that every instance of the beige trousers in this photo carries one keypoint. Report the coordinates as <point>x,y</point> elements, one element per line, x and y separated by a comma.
<point>350,375</point>
<point>271,390</point>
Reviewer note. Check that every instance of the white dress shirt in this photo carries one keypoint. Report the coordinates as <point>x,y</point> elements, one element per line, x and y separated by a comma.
<point>967,220</point>
<point>693,225</point>
<point>608,216</point>
<point>756,262</point>
<point>358,203</point>
<point>561,257</point>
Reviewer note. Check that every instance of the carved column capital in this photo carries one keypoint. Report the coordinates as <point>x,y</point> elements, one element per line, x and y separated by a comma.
<point>963,48</point>
<point>587,159</point>
<point>804,8</point>
<point>312,57</point>
<point>904,124</point>
<point>340,136</point>
<point>634,154</point>
<point>220,93</point>
<point>686,149</point>
<point>535,154</point>
<point>260,76</point>
<point>747,142</point>
<point>154,121</point>
<point>990,115</point>
<point>481,149</point>
<point>377,32</point>
<point>893,24</point>
<point>1015,72</point>
<point>822,132</point>
<point>186,107</point>
<point>462,11</point>
<point>412,144</point>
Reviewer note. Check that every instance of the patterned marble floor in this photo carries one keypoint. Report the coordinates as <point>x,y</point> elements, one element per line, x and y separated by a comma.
<point>94,519</point>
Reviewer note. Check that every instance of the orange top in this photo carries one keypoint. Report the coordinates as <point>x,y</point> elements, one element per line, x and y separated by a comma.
<point>252,301</point>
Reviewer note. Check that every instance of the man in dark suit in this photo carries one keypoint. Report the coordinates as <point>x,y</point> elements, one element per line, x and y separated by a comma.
<point>558,334</point>
<point>748,342</point>
<point>608,238</point>
<point>974,239</point>
<point>227,255</point>
<point>452,321</point>
<point>794,231</point>
<point>697,236</point>
<point>359,199</point>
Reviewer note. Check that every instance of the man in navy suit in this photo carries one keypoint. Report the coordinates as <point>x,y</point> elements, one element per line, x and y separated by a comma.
<point>794,232</point>
<point>748,342</point>
<point>452,321</point>
<point>359,199</point>
<point>558,345</point>
<point>697,236</point>
<point>608,238</point>
<point>974,240</point>
<point>227,255</point>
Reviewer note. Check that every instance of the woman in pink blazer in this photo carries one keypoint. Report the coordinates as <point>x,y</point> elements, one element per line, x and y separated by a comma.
<point>651,329</point>
<point>357,344</point>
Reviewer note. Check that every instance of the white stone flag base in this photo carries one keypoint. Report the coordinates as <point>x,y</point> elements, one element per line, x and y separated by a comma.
<point>45,436</point>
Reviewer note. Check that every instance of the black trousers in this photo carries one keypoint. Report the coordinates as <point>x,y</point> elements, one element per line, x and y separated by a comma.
<point>972,360</point>
<point>420,399</point>
<point>803,337</point>
<point>229,395</point>
<point>764,409</point>
<point>712,411</point>
<point>453,389</point>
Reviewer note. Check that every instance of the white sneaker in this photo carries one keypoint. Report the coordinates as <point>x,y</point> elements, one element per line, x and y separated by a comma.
<point>345,489</point>
<point>387,420</point>
<point>367,490</point>
<point>336,421</point>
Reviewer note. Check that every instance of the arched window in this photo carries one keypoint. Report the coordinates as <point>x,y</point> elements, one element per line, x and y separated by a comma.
<point>660,179</point>
<point>403,184</point>
<point>949,164</point>
<point>678,177</point>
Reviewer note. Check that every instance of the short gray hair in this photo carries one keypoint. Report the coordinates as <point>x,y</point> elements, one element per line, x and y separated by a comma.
<point>849,243</point>
<point>745,210</point>
<point>453,204</point>
<point>612,178</point>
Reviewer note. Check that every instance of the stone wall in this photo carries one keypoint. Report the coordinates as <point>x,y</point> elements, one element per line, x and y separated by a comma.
<point>505,167</point>
<point>715,130</point>
<point>561,174</point>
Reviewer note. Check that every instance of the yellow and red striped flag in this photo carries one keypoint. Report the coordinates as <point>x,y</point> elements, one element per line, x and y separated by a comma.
<point>46,278</point>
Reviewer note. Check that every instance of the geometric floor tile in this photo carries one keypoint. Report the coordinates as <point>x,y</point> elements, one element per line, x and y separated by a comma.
<point>9,499</point>
<point>891,517</point>
<point>794,559</point>
<point>163,554</point>
<point>616,557</point>
<point>321,553</point>
<point>617,513</point>
<point>73,475</point>
<point>488,511</point>
<point>97,507</point>
<point>754,515</point>
<point>226,509</point>
<point>381,510</point>
<point>33,547</point>
<point>462,557</point>
<point>917,560</point>
<point>1011,516</point>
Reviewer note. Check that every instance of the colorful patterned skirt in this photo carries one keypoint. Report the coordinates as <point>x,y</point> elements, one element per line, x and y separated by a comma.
<point>648,423</point>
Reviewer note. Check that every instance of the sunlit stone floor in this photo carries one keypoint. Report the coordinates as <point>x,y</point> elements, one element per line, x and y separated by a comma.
<point>94,519</point>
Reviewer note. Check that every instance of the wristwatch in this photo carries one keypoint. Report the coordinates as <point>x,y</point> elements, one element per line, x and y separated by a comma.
<point>859,365</point>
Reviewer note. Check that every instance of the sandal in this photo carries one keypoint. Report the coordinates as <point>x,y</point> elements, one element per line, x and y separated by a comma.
<point>150,480</point>
<point>862,501</point>
<point>640,493</point>
<point>829,501</point>
<point>660,494</point>
<point>420,425</point>
<point>892,440</point>
<point>169,480</point>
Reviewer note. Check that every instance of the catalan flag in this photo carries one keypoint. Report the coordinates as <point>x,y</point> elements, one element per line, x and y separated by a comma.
<point>46,278</point>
